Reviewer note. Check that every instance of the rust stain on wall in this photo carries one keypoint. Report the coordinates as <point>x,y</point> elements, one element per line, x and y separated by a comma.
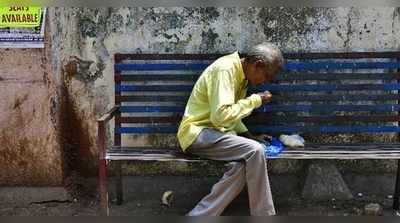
<point>30,149</point>
<point>77,143</point>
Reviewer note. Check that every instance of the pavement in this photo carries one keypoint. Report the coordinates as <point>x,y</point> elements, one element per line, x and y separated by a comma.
<point>142,197</point>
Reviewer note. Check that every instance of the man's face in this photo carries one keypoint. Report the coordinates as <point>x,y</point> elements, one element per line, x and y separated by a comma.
<point>262,73</point>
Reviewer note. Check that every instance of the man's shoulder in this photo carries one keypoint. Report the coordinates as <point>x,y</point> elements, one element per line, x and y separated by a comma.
<point>225,63</point>
<point>228,60</point>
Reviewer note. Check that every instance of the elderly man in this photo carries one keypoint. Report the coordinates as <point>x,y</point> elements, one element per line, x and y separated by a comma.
<point>212,128</point>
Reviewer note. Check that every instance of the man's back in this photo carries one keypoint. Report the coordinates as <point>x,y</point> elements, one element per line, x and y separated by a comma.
<point>222,83</point>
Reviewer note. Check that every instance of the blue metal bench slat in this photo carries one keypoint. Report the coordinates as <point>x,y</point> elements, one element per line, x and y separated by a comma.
<point>285,76</point>
<point>132,88</point>
<point>329,108</point>
<point>330,87</point>
<point>289,56</point>
<point>287,98</point>
<point>338,66</point>
<point>122,130</point>
<point>161,66</point>
<point>300,76</point>
<point>288,66</point>
<point>326,129</point>
<point>260,118</point>
<point>127,109</point>
<point>272,87</point>
<point>276,108</point>
<point>276,129</point>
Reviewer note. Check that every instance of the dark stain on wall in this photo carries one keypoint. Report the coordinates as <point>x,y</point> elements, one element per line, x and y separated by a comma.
<point>289,20</point>
<point>17,152</point>
<point>80,69</point>
<point>208,14</point>
<point>76,142</point>
<point>349,31</point>
<point>116,22</point>
<point>396,13</point>
<point>53,104</point>
<point>164,20</point>
<point>19,101</point>
<point>46,79</point>
<point>21,155</point>
<point>209,40</point>
<point>88,28</point>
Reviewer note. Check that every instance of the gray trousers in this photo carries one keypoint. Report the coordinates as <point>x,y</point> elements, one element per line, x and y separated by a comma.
<point>249,165</point>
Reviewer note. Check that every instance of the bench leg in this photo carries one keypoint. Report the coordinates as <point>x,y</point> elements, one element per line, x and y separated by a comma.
<point>118,185</point>
<point>396,196</point>
<point>103,187</point>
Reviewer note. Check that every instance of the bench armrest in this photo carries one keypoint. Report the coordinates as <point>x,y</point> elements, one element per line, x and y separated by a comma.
<point>101,131</point>
<point>109,115</point>
<point>101,149</point>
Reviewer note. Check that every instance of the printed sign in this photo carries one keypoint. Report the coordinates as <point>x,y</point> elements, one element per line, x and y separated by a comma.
<point>15,17</point>
<point>22,27</point>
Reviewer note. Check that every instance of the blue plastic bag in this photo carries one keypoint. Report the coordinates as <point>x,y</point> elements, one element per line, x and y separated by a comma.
<point>274,148</point>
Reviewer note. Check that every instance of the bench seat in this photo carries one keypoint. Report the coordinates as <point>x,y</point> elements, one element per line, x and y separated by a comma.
<point>311,151</point>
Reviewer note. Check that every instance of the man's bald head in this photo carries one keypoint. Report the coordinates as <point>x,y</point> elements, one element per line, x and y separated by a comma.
<point>262,63</point>
<point>266,52</point>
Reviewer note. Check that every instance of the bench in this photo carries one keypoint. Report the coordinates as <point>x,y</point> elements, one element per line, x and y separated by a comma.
<point>353,94</point>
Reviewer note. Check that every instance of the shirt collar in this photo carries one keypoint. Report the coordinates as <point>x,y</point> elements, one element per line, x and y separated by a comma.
<point>238,66</point>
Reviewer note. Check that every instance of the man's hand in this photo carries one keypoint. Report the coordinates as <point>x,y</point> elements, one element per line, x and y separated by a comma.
<point>263,138</point>
<point>266,96</point>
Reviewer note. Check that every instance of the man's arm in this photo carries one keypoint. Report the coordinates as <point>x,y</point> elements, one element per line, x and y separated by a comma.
<point>240,127</point>
<point>221,95</point>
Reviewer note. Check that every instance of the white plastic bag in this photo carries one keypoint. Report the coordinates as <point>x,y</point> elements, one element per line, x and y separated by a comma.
<point>292,140</point>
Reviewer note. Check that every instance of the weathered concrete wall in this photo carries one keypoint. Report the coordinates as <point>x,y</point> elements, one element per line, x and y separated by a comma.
<point>30,152</point>
<point>88,38</point>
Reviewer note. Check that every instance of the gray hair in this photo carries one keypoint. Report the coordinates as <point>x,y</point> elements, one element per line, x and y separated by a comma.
<point>266,52</point>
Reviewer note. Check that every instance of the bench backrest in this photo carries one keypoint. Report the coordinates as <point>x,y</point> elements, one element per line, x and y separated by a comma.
<point>318,93</point>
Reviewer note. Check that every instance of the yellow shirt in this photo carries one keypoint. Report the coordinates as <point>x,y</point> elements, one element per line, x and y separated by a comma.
<point>218,101</point>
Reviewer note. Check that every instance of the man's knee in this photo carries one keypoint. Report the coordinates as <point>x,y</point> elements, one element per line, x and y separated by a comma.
<point>256,147</point>
<point>259,149</point>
